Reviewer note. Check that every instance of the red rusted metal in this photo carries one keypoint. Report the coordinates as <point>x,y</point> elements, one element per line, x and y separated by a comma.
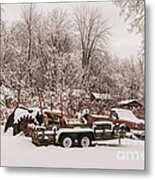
<point>61,109</point>
<point>40,103</point>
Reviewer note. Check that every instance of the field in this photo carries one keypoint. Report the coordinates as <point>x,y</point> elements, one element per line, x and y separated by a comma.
<point>20,152</point>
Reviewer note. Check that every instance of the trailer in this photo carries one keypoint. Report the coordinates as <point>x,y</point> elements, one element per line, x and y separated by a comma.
<point>80,136</point>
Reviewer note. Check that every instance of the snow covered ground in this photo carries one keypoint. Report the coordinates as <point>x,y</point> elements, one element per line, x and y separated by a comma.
<point>19,151</point>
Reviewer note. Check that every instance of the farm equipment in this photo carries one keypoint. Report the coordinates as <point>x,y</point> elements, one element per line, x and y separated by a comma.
<point>53,127</point>
<point>59,130</point>
<point>80,135</point>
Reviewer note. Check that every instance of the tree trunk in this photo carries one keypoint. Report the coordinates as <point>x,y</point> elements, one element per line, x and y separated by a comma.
<point>18,96</point>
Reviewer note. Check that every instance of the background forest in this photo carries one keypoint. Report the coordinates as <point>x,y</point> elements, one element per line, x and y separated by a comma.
<point>60,51</point>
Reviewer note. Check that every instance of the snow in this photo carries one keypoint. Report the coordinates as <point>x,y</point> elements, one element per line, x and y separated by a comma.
<point>131,135</point>
<point>127,115</point>
<point>101,131</point>
<point>76,129</point>
<point>73,121</point>
<point>56,111</point>
<point>127,101</point>
<point>138,132</point>
<point>19,113</point>
<point>103,123</point>
<point>20,152</point>
<point>101,96</point>
<point>47,132</point>
<point>78,92</point>
<point>6,92</point>
<point>37,127</point>
<point>99,116</point>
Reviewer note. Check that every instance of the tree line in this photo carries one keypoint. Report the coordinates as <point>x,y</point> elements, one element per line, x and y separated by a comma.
<point>60,51</point>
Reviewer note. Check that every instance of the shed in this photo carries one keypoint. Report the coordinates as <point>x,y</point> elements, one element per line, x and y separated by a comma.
<point>100,96</point>
<point>129,103</point>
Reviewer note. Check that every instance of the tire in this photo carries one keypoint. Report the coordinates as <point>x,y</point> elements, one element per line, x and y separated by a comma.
<point>131,137</point>
<point>127,129</point>
<point>66,141</point>
<point>85,141</point>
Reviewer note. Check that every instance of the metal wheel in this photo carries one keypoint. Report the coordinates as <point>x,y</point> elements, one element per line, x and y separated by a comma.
<point>67,142</point>
<point>85,141</point>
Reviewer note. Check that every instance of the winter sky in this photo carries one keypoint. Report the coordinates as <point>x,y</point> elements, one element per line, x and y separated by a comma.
<point>122,43</point>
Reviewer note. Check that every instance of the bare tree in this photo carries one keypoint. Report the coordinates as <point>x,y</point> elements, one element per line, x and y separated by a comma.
<point>58,31</point>
<point>59,46</point>
<point>133,12</point>
<point>92,30</point>
<point>30,18</point>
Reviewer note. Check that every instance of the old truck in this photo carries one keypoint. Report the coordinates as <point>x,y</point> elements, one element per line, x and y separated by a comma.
<point>120,116</point>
